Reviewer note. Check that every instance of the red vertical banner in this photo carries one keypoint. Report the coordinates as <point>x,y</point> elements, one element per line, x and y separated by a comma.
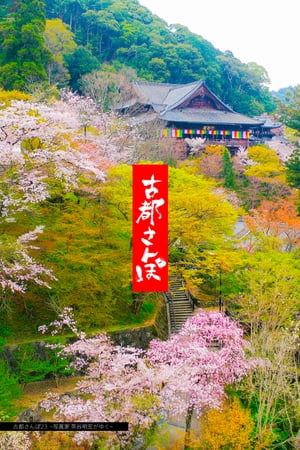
<point>150,228</point>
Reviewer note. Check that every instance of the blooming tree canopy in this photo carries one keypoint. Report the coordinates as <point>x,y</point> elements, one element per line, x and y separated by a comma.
<point>206,355</point>
<point>127,384</point>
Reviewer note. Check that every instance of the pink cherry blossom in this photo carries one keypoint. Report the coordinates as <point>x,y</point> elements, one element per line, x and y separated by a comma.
<point>187,372</point>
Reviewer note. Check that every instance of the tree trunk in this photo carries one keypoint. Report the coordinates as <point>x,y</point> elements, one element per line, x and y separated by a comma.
<point>188,423</point>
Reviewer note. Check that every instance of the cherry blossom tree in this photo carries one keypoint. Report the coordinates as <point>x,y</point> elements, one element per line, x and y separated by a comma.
<point>118,382</point>
<point>17,267</point>
<point>186,373</point>
<point>205,356</point>
<point>42,147</point>
<point>34,150</point>
<point>112,136</point>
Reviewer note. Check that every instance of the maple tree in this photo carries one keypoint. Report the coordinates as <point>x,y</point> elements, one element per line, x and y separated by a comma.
<point>229,426</point>
<point>211,161</point>
<point>269,297</point>
<point>279,219</point>
<point>264,163</point>
<point>261,174</point>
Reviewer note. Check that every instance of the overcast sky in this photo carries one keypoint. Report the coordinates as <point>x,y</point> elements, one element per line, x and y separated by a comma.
<point>263,31</point>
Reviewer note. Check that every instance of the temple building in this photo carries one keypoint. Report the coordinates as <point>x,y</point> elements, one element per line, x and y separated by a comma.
<point>189,111</point>
<point>269,128</point>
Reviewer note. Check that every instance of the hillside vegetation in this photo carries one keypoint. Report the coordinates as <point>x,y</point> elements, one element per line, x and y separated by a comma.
<point>57,43</point>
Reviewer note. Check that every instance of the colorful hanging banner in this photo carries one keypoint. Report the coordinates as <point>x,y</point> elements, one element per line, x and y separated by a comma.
<point>150,228</point>
<point>178,133</point>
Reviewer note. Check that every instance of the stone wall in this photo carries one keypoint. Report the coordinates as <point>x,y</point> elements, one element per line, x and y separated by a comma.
<point>141,336</point>
<point>136,337</point>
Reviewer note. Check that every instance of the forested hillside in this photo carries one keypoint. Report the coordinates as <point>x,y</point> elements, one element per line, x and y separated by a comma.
<point>66,40</point>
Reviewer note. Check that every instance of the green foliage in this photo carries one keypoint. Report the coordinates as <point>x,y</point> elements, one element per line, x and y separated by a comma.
<point>9,387</point>
<point>228,172</point>
<point>293,169</point>
<point>119,32</point>
<point>267,306</point>
<point>23,56</point>
<point>80,63</point>
<point>34,364</point>
<point>270,295</point>
<point>290,109</point>
<point>267,163</point>
<point>86,250</point>
<point>9,390</point>
<point>59,40</point>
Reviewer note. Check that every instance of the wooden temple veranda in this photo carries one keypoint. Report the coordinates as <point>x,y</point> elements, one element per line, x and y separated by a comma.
<point>190,111</point>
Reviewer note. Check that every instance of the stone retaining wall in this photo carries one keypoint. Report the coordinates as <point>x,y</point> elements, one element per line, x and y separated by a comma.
<point>136,337</point>
<point>141,336</point>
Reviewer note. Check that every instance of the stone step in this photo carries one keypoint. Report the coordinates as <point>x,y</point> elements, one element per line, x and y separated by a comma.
<point>183,317</point>
<point>181,300</point>
<point>182,314</point>
<point>178,296</point>
<point>186,306</point>
<point>182,308</point>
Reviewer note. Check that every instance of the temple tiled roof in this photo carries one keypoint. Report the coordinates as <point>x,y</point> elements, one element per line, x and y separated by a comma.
<point>166,99</point>
<point>205,116</point>
<point>166,96</point>
<point>267,122</point>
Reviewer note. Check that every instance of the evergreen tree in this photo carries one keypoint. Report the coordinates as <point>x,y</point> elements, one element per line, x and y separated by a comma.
<point>23,55</point>
<point>228,172</point>
<point>293,169</point>
<point>80,63</point>
<point>290,109</point>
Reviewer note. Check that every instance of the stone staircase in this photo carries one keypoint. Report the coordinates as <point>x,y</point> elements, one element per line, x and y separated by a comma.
<point>179,304</point>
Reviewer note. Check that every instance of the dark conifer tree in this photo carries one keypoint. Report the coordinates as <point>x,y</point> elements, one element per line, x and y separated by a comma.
<point>293,169</point>
<point>228,172</point>
<point>23,55</point>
